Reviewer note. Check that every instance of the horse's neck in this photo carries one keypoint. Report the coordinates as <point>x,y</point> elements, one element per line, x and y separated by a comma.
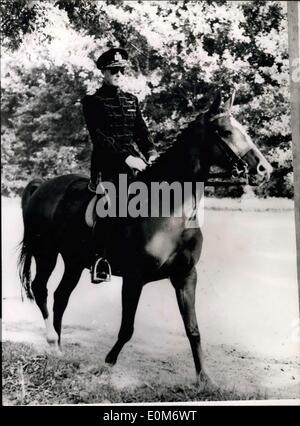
<point>187,160</point>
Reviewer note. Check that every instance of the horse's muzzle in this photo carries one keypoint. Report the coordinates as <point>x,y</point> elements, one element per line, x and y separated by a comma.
<point>259,169</point>
<point>262,175</point>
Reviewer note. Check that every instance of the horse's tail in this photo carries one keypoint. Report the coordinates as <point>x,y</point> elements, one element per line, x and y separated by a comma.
<point>28,191</point>
<point>24,262</point>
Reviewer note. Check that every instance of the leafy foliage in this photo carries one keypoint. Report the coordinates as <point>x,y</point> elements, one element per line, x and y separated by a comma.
<point>180,53</point>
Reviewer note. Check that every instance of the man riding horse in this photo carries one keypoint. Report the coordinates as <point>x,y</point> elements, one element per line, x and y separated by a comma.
<point>120,138</point>
<point>141,251</point>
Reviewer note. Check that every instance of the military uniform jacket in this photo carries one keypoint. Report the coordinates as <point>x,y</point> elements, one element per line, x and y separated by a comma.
<point>117,130</point>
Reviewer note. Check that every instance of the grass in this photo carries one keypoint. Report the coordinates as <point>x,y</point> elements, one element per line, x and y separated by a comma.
<point>32,378</point>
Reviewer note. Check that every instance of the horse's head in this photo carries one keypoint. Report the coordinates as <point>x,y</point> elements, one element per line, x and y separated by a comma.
<point>233,148</point>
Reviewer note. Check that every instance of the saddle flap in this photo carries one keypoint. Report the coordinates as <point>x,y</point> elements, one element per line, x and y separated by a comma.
<point>90,214</point>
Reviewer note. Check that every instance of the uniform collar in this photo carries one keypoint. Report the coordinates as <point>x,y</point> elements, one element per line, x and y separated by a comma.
<point>108,90</point>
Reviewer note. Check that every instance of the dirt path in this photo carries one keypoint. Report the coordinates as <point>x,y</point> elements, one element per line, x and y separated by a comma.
<point>246,305</point>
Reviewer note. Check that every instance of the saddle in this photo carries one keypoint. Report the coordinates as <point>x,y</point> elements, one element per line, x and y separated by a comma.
<point>90,213</point>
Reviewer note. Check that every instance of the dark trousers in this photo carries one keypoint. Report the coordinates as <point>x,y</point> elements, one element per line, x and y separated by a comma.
<point>101,233</point>
<point>105,227</point>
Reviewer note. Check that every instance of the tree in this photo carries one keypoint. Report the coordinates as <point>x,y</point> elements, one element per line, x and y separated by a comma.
<point>180,53</point>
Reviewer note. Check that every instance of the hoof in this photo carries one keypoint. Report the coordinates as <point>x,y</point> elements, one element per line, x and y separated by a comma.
<point>110,360</point>
<point>52,337</point>
<point>105,373</point>
<point>205,383</point>
<point>106,369</point>
<point>54,346</point>
<point>52,340</point>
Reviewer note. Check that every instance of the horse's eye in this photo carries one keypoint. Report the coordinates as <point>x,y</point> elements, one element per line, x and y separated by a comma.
<point>225,133</point>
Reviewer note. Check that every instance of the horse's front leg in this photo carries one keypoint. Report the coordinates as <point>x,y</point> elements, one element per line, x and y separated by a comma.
<point>185,287</point>
<point>131,291</point>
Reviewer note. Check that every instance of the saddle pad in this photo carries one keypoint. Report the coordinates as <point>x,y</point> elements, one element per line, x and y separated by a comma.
<point>90,214</point>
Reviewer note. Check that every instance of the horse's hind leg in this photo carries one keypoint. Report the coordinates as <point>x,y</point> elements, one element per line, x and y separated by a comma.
<point>73,270</point>
<point>131,292</point>
<point>45,263</point>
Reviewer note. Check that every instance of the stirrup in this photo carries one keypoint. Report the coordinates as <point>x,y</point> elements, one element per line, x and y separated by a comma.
<point>102,276</point>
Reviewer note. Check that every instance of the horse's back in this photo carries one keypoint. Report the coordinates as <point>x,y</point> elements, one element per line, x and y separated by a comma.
<point>46,199</point>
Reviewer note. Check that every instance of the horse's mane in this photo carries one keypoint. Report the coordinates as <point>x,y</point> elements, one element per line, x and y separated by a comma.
<point>177,147</point>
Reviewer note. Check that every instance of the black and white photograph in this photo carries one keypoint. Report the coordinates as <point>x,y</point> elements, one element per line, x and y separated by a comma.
<point>150,202</point>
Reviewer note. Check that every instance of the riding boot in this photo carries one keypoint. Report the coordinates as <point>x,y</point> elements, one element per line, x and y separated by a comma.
<point>100,268</point>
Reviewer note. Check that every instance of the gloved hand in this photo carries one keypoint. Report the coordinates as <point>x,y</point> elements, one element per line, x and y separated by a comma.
<point>152,157</point>
<point>135,163</point>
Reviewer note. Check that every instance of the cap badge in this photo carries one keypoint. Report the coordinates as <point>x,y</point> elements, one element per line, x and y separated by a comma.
<point>118,56</point>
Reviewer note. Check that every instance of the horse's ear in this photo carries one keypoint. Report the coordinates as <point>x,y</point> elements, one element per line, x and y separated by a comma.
<point>215,106</point>
<point>229,103</point>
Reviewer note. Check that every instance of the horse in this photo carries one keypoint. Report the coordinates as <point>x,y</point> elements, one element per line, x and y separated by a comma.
<point>142,250</point>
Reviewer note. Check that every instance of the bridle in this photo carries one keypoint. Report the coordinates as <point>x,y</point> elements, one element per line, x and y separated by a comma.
<point>239,174</point>
<point>240,169</point>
